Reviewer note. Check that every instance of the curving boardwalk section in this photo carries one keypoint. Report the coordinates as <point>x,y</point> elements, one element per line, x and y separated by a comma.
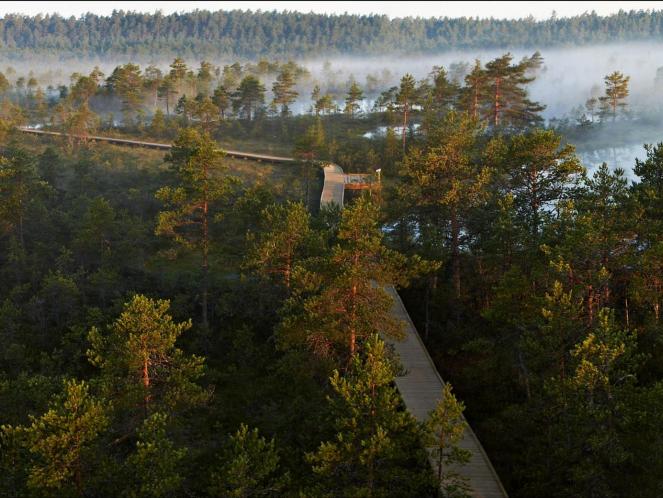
<point>155,145</point>
<point>421,386</point>
<point>333,189</point>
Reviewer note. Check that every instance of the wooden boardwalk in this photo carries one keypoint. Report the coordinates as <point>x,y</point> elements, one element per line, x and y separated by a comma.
<point>421,386</point>
<point>155,145</point>
<point>333,189</point>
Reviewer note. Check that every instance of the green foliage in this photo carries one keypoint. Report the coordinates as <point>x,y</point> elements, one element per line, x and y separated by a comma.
<point>249,466</point>
<point>354,96</point>
<point>284,90</point>
<point>156,463</point>
<point>616,91</point>
<point>142,371</point>
<point>445,428</point>
<point>282,243</point>
<point>370,429</point>
<point>223,34</point>
<point>342,302</point>
<point>62,439</point>
<point>249,98</point>
<point>194,202</point>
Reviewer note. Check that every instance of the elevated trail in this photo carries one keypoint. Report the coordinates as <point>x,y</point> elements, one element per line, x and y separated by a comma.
<point>421,386</point>
<point>155,145</point>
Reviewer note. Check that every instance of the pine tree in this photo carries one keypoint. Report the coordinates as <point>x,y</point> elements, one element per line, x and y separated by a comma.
<point>152,81</point>
<point>206,112</point>
<point>142,370</point>
<point>315,97</point>
<point>155,465</point>
<point>354,96</point>
<point>475,90</point>
<point>392,152</point>
<point>540,173</point>
<point>194,201</point>
<point>284,90</point>
<point>128,86</point>
<point>649,191</point>
<point>278,248</point>
<point>444,93</point>
<point>20,189</point>
<point>600,388</point>
<point>443,183</point>
<point>405,99</point>
<point>62,440</point>
<point>616,92</point>
<point>158,125</point>
<point>445,427</point>
<point>369,426</point>
<point>249,467</point>
<point>204,78</point>
<point>167,90</point>
<point>178,70</point>
<point>508,102</point>
<point>221,99</point>
<point>249,97</point>
<point>350,304</point>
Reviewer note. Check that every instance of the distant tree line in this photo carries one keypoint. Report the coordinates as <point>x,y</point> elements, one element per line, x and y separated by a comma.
<point>249,34</point>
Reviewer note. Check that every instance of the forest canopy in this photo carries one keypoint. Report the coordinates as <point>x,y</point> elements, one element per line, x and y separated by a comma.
<point>249,34</point>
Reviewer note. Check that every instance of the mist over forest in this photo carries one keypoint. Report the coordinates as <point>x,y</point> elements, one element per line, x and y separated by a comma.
<point>566,80</point>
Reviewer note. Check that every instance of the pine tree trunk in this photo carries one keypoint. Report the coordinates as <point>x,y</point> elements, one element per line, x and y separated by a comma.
<point>497,103</point>
<point>146,385</point>
<point>455,250</point>
<point>205,268</point>
<point>475,107</point>
<point>439,466</point>
<point>21,238</point>
<point>353,318</point>
<point>78,477</point>
<point>427,322</point>
<point>404,122</point>
<point>657,310</point>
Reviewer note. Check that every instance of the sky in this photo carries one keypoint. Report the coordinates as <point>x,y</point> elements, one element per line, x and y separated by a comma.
<point>484,9</point>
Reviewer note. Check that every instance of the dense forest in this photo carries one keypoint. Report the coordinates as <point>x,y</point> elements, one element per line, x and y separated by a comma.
<point>189,324</point>
<point>247,34</point>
